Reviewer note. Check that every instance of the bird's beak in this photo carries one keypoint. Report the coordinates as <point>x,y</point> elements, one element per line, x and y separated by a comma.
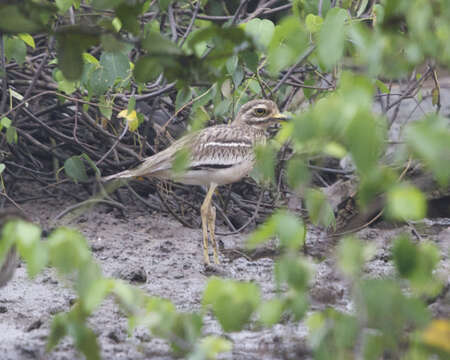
<point>280,117</point>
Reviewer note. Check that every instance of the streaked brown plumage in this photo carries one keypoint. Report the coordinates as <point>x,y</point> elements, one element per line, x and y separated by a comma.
<point>219,155</point>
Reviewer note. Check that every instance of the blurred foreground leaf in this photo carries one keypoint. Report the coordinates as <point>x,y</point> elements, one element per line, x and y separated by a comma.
<point>232,302</point>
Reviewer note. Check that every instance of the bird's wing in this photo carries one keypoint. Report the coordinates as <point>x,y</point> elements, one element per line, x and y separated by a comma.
<point>212,147</point>
<point>223,146</point>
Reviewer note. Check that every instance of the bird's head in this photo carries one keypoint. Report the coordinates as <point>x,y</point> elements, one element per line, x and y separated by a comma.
<point>259,113</point>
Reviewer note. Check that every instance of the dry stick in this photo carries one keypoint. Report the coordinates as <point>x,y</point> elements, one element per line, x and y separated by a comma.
<point>38,72</point>
<point>51,92</point>
<point>39,144</point>
<point>260,10</point>
<point>191,24</point>
<point>253,217</point>
<point>12,201</point>
<point>115,144</point>
<point>410,89</point>
<point>139,197</point>
<point>175,215</point>
<point>57,133</point>
<point>163,128</point>
<point>438,87</point>
<point>86,203</point>
<point>120,146</point>
<point>173,25</point>
<point>289,72</point>
<point>376,217</point>
<point>236,14</point>
<point>264,11</point>
<point>5,76</point>
<point>168,87</point>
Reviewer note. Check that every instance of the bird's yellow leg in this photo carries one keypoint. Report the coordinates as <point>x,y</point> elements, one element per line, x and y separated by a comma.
<point>212,228</point>
<point>205,210</point>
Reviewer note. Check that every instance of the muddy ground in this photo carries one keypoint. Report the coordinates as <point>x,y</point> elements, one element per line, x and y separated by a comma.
<point>156,253</point>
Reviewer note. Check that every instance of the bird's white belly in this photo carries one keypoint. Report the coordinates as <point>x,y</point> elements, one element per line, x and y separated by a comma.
<point>217,176</point>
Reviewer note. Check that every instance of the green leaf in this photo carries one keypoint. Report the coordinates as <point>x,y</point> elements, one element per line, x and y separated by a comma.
<point>5,123</point>
<point>382,86</point>
<point>27,39</point>
<point>128,14</point>
<point>91,286</point>
<point>290,269</point>
<point>265,163</point>
<point>261,31</point>
<point>105,107</point>
<point>68,250</point>
<point>250,59</point>
<point>199,118</point>
<point>287,226</point>
<point>15,49</point>
<point>288,43</point>
<point>164,4</point>
<point>352,255</point>
<point>64,85</point>
<point>298,174</point>
<point>85,340</point>
<point>331,40</point>
<point>263,233</point>
<point>20,19</point>
<point>32,250</point>
<point>232,302</point>
<point>11,135</point>
<point>2,168</point>
<point>147,69</point>
<point>313,23</point>
<point>58,330</point>
<point>364,137</point>
<point>406,202</point>
<point>112,43</point>
<point>27,238</point>
<point>75,169</point>
<point>319,209</point>
<point>116,65</point>
<point>210,347</point>
<point>270,311</point>
<point>113,68</point>
<point>73,41</point>
<point>429,140</point>
<point>333,334</point>
<point>90,59</point>
<point>388,310</point>
<point>63,5</point>
<point>405,255</point>
<point>158,45</point>
<point>105,4</point>
<point>183,96</point>
<point>290,229</point>
<point>188,328</point>
<point>417,263</point>
<point>181,161</point>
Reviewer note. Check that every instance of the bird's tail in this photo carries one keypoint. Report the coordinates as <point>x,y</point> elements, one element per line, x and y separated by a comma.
<point>127,174</point>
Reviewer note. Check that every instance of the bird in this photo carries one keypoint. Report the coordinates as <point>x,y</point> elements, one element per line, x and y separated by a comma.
<point>218,155</point>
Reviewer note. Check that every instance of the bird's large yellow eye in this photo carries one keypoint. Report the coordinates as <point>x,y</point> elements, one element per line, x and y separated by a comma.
<point>259,111</point>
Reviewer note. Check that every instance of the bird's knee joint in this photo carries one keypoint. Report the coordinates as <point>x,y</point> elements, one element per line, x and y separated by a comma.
<point>204,210</point>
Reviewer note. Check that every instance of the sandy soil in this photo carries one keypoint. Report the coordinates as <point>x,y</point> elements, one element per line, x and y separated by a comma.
<point>164,258</point>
